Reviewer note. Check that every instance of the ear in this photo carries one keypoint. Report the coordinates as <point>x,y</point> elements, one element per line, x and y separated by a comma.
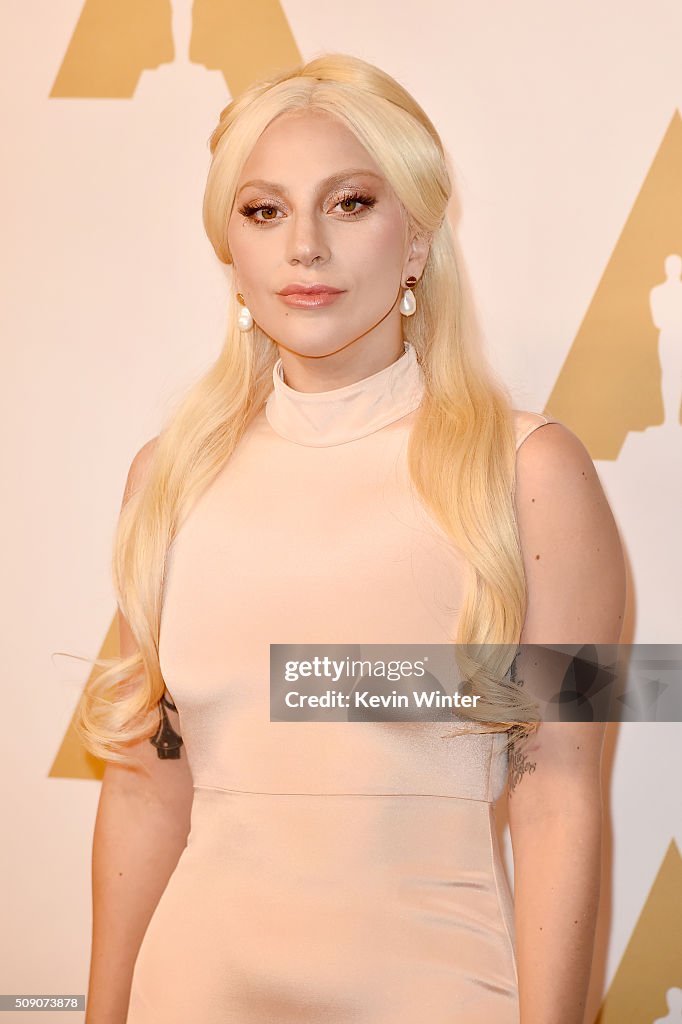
<point>418,253</point>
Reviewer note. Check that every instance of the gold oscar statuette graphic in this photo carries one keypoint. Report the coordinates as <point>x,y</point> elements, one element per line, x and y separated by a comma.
<point>610,383</point>
<point>652,961</point>
<point>73,761</point>
<point>115,41</point>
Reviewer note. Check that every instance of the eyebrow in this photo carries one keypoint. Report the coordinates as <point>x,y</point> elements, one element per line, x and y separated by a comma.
<point>333,179</point>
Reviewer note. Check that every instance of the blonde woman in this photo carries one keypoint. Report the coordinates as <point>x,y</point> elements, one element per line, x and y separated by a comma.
<point>348,472</point>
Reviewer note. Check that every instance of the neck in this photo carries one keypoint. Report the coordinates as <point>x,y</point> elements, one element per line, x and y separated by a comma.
<point>324,418</point>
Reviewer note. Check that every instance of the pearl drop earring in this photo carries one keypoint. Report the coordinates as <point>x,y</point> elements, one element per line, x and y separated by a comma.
<point>408,303</point>
<point>244,320</point>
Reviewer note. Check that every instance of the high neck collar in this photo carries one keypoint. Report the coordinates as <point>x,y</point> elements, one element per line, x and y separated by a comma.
<point>323,418</point>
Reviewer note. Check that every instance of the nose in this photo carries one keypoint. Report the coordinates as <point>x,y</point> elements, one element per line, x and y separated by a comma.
<point>306,240</point>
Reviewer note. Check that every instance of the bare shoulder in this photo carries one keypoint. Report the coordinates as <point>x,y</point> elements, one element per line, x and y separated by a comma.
<point>525,422</point>
<point>571,548</point>
<point>555,471</point>
<point>139,468</point>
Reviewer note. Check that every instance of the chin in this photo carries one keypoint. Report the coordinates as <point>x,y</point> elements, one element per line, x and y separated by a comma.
<point>310,343</point>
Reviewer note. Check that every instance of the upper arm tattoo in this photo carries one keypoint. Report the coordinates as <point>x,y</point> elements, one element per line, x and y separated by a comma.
<point>169,703</point>
<point>519,763</point>
<point>166,740</point>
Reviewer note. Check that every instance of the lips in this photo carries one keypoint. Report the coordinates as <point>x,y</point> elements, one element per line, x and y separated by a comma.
<point>312,299</point>
<point>309,289</point>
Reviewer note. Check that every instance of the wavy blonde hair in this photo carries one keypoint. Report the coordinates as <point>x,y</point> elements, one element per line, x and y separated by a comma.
<point>462,448</point>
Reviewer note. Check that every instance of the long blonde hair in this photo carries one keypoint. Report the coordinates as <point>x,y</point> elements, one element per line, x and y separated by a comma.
<point>462,449</point>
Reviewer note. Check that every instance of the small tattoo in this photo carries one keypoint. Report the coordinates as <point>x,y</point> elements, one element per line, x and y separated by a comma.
<point>166,740</point>
<point>168,703</point>
<point>519,764</point>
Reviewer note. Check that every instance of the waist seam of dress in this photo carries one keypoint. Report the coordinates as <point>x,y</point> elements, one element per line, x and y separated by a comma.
<point>257,792</point>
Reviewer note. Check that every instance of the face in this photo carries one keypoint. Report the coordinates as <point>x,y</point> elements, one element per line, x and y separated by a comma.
<point>312,207</point>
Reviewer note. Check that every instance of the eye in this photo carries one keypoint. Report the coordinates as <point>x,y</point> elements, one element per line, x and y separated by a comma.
<point>249,210</point>
<point>366,200</point>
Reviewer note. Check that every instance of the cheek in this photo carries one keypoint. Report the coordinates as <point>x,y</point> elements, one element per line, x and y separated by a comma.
<point>247,256</point>
<point>380,253</point>
<point>237,241</point>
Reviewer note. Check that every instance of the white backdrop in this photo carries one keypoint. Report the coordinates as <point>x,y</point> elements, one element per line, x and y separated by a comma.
<point>113,301</point>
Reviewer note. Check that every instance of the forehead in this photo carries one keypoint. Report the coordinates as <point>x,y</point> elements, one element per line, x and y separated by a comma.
<point>310,144</point>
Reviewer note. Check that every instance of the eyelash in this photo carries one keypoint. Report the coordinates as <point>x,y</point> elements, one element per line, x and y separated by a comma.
<point>249,209</point>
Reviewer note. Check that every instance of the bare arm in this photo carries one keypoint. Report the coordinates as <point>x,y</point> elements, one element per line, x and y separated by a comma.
<point>576,585</point>
<point>141,829</point>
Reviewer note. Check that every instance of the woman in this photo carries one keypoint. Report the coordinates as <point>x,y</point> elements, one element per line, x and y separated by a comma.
<point>349,472</point>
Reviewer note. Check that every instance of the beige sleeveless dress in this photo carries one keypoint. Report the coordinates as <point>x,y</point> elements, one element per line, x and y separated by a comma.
<point>335,872</point>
